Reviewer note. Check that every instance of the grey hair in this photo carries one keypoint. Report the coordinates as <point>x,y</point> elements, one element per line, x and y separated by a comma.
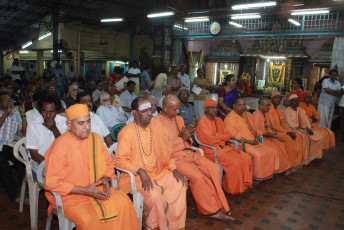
<point>181,90</point>
<point>103,95</point>
<point>151,97</point>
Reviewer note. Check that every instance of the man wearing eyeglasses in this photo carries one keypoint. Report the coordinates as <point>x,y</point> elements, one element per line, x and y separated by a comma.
<point>110,114</point>
<point>73,91</point>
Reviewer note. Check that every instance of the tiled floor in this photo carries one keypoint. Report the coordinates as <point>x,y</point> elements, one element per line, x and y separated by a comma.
<point>280,203</point>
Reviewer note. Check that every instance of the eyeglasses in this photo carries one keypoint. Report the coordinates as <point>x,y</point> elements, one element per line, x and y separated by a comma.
<point>106,99</point>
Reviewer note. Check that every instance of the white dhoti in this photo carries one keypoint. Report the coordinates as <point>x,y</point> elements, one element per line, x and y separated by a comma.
<point>326,115</point>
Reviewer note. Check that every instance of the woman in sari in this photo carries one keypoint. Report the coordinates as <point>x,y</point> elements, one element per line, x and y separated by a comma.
<point>227,95</point>
<point>297,88</point>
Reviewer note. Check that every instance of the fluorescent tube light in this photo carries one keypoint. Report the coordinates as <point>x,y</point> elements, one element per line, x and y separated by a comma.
<point>180,27</point>
<point>253,5</point>
<point>27,44</point>
<point>272,57</point>
<point>294,22</point>
<point>47,34</point>
<point>310,11</point>
<point>235,24</point>
<point>59,51</point>
<point>23,51</point>
<point>112,20</point>
<point>196,19</point>
<point>245,16</point>
<point>161,14</point>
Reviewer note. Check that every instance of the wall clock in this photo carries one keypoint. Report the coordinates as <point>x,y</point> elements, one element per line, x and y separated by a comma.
<point>215,28</point>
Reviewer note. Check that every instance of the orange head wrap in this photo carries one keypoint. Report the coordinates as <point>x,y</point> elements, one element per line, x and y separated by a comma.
<point>274,94</point>
<point>76,111</point>
<point>306,93</point>
<point>210,102</point>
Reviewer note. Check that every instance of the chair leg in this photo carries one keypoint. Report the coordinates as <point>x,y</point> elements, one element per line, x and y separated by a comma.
<point>138,204</point>
<point>22,194</point>
<point>33,204</point>
<point>48,225</point>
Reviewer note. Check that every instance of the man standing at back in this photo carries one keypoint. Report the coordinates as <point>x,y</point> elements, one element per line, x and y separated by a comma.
<point>203,174</point>
<point>144,149</point>
<point>79,167</point>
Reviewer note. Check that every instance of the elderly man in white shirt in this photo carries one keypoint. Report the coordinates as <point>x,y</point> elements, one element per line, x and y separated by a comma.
<point>97,125</point>
<point>127,97</point>
<point>109,114</point>
<point>43,130</point>
<point>328,97</point>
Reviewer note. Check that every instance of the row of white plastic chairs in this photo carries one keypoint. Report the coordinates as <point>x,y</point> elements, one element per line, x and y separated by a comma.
<point>21,153</point>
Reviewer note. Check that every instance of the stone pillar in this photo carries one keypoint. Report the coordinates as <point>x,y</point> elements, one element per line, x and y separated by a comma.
<point>40,66</point>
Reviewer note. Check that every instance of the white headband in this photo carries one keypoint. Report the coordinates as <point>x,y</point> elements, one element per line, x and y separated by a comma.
<point>144,106</point>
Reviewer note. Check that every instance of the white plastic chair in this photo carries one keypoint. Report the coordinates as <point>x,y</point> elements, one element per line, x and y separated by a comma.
<point>20,153</point>
<point>64,223</point>
<point>137,197</point>
<point>236,144</point>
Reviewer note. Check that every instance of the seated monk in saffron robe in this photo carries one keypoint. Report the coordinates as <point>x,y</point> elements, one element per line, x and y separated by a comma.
<point>298,121</point>
<point>314,118</point>
<point>203,175</point>
<point>239,124</point>
<point>292,140</point>
<point>144,149</point>
<point>79,167</point>
<point>262,125</point>
<point>236,164</point>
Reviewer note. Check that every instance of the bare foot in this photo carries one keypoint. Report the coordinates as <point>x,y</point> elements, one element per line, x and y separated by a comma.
<point>296,169</point>
<point>289,171</point>
<point>222,216</point>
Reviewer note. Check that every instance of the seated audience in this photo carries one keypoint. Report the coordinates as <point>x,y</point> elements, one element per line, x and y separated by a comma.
<point>204,175</point>
<point>144,149</point>
<point>52,90</point>
<point>174,81</point>
<point>10,123</point>
<point>97,92</point>
<point>108,113</point>
<point>227,95</point>
<point>297,120</point>
<point>184,77</point>
<point>158,85</point>
<point>314,118</point>
<point>43,130</point>
<point>186,110</point>
<point>199,100</point>
<point>73,91</point>
<point>97,124</point>
<point>79,167</point>
<point>239,124</point>
<point>128,96</point>
<point>34,113</point>
<point>236,164</point>
<point>263,127</point>
<point>165,91</point>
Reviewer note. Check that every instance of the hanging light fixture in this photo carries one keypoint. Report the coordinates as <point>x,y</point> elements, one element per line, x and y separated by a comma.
<point>253,5</point>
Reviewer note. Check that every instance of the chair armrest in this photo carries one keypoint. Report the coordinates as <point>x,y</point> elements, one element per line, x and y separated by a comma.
<point>261,139</point>
<point>199,149</point>
<point>41,174</point>
<point>209,146</point>
<point>235,142</point>
<point>59,205</point>
<point>132,178</point>
<point>241,141</point>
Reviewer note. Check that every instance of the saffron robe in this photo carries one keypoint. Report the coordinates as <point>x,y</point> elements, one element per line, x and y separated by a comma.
<point>279,125</point>
<point>262,125</point>
<point>68,164</point>
<point>203,175</point>
<point>328,135</point>
<point>164,206</point>
<point>236,164</point>
<point>312,144</point>
<point>265,160</point>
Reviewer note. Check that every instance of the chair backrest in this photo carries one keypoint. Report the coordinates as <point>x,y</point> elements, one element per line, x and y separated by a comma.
<point>41,174</point>
<point>21,154</point>
<point>115,131</point>
<point>113,149</point>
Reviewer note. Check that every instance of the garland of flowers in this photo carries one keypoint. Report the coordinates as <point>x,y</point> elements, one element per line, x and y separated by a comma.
<point>224,71</point>
<point>192,60</point>
<point>281,75</point>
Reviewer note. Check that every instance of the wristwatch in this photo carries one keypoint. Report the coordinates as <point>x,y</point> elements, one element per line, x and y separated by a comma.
<point>23,116</point>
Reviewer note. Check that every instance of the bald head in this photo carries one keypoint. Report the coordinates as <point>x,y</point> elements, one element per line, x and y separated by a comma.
<point>171,105</point>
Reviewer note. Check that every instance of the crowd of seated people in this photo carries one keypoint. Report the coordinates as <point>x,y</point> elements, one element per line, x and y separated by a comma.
<point>69,128</point>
